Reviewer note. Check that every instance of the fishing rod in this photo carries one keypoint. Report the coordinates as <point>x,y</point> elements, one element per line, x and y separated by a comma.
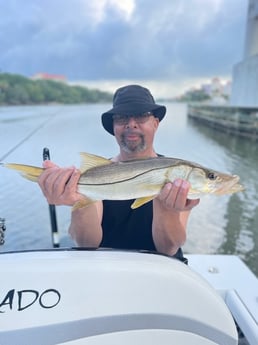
<point>52,210</point>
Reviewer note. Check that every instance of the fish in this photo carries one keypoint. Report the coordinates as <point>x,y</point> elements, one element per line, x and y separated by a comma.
<point>139,179</point>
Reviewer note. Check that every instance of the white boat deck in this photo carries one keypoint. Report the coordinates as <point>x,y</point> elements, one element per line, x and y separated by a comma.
<point>236,284</point>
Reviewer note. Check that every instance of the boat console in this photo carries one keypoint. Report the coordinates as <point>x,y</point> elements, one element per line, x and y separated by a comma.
<point>106,297</point>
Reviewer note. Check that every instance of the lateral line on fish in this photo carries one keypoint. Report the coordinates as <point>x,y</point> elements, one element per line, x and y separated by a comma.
<point>119,181</point>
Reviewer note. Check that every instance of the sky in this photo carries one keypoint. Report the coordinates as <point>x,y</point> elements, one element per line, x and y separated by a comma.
<point>166,45</point>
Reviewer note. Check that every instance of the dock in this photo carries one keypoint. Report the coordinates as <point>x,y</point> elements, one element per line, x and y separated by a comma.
<point>240,121</point>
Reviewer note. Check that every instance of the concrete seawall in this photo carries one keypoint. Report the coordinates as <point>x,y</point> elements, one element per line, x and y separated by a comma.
<point>241,121</point>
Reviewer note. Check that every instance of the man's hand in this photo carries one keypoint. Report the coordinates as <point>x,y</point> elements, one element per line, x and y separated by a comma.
<point>174,196</point>
<point>59,185</point>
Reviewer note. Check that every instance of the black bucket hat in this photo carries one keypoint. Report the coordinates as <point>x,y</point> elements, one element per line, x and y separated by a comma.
<point>132,100</point>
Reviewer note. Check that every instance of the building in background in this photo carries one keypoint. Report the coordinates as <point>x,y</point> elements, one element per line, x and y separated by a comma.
<point>245,73</point>
<point>217,88</point>
<point>214,91</point>
<point>47,76</point>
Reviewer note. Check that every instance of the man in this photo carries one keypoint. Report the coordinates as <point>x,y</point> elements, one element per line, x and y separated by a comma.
<point>159,225</point>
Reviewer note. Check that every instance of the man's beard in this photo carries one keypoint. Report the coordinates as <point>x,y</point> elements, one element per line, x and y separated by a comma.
<point>133,146</point>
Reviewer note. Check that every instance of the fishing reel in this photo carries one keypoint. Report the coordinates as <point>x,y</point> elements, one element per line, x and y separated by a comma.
<point>2,230</point>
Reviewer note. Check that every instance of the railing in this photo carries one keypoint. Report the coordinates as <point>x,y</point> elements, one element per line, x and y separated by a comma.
<point>241,121</point>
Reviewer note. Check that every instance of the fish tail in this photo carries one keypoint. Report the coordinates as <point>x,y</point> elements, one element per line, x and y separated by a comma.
<point>27,171</point>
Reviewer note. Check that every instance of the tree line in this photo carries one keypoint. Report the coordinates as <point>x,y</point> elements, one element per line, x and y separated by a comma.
<point>195,96</point>
<point>18,90</point>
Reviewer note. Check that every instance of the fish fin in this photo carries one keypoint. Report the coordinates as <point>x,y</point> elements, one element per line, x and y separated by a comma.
<point>82,203</point>
<point>27,171</point>
<point>195,196</point>
<point>141,201</point>
<point>89,161</point>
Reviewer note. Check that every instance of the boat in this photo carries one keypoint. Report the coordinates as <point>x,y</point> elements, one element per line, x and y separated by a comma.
<point>76,296</point>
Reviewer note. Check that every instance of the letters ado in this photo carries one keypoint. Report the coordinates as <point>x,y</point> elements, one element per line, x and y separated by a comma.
<point>23,299</point>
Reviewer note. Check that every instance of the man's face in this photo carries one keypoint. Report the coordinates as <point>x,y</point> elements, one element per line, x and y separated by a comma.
<point>135,134</point>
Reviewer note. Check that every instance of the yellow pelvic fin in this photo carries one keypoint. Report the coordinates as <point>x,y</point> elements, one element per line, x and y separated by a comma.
<point>89,161</point>
<point>82,203</point>
<point>29,172</point>
<point>141,201</point>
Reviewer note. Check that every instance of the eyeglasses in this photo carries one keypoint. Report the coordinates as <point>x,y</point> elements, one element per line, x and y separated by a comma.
<point>124,119</point>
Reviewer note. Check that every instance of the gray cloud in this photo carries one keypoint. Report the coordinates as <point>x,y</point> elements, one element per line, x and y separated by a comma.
<point>161,40</point>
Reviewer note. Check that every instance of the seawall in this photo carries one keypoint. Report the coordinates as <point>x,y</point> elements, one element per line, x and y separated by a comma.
<point>241,121</point>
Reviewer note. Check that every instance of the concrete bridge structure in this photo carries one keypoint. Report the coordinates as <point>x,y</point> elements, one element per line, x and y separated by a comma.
<point>241,117</point>
<point>245,73</point>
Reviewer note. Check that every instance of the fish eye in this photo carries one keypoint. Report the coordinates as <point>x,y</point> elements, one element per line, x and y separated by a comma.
<point>212,176</point>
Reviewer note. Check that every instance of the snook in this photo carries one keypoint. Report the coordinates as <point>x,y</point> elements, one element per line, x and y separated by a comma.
<point>140,179</point>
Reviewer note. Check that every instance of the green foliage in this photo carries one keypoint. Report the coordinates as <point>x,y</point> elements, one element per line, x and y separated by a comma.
<point>195,96</point>
<point>16,90</point>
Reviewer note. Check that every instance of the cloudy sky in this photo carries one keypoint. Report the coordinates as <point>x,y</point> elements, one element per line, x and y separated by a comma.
<point>167,45</point>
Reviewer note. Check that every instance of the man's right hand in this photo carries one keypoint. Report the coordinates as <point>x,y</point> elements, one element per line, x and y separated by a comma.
<point>59,185</point>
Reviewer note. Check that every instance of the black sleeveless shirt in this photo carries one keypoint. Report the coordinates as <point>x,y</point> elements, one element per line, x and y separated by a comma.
<point>125,228</point>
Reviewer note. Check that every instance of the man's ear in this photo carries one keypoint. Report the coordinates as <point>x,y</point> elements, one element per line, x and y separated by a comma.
<point>156,123</point>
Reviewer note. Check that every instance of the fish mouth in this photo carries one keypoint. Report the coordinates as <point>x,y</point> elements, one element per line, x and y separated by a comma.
<point>230,186</point>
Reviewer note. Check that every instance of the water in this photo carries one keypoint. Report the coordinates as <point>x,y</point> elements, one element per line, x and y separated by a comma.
<point>227,224</point>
